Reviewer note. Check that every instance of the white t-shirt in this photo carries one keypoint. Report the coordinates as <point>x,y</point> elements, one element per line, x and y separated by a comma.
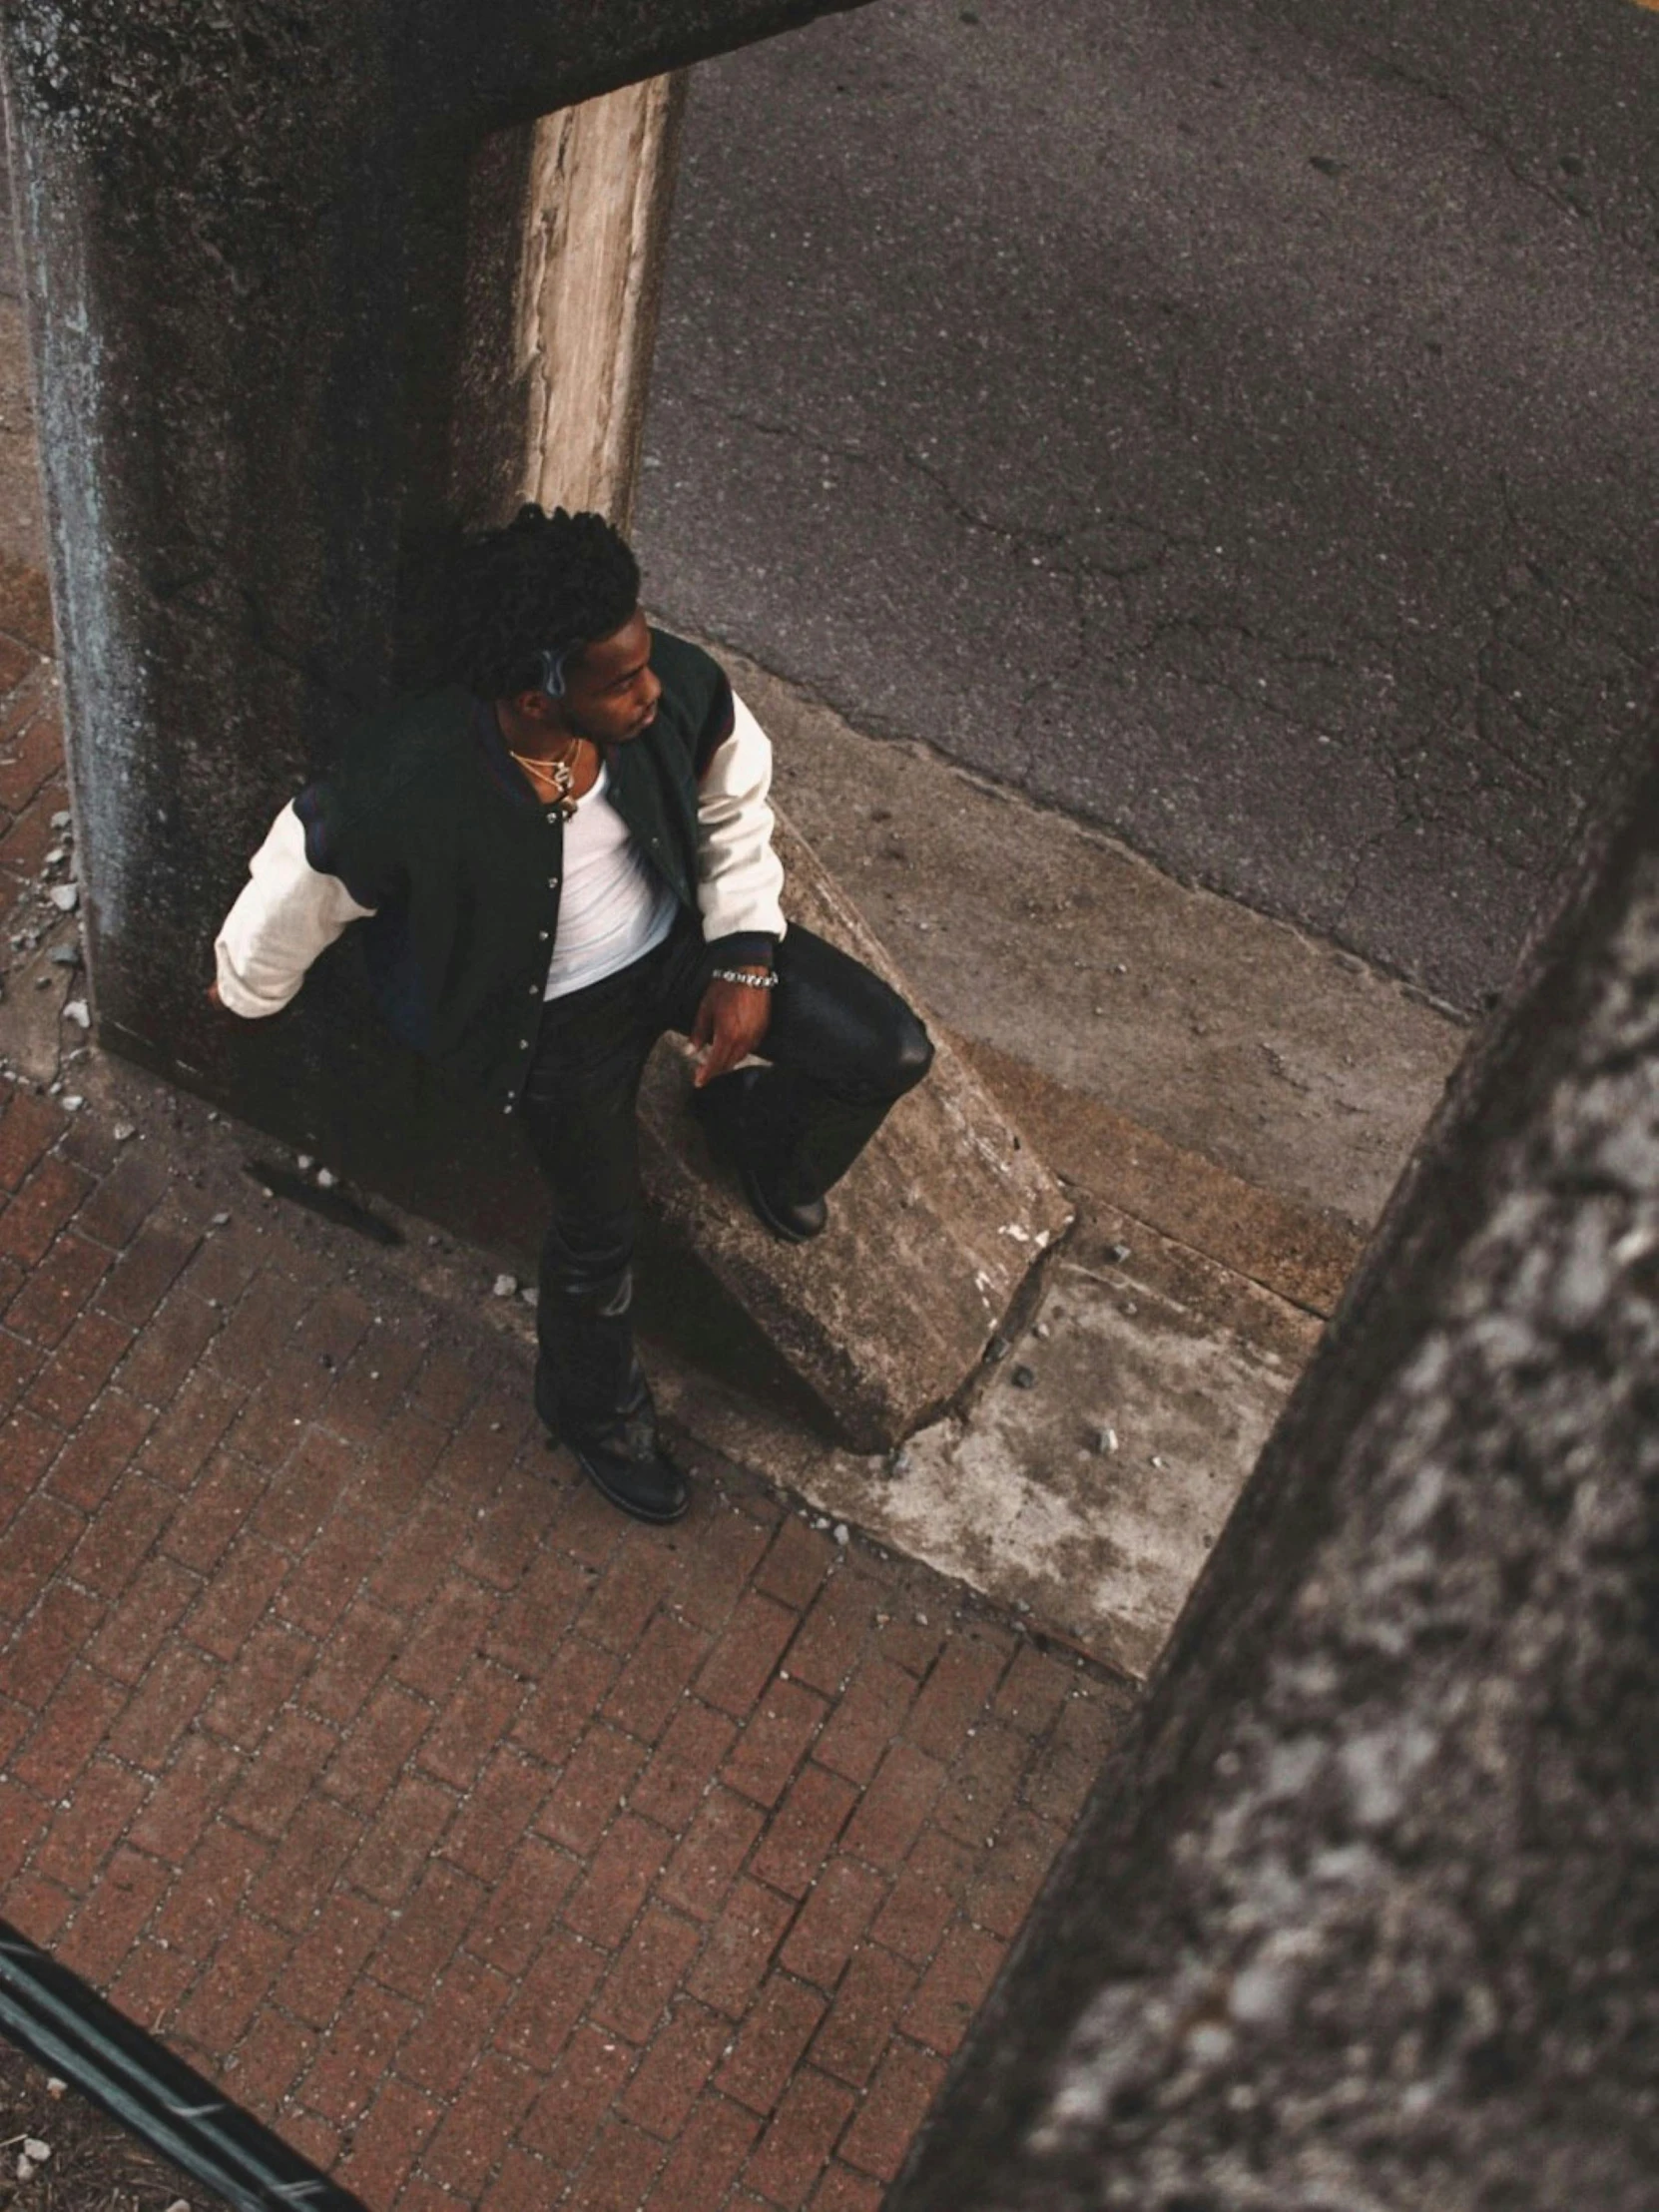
<point>614,906</point>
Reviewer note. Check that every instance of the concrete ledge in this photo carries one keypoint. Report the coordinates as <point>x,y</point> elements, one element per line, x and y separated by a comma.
<point>933,1234</point>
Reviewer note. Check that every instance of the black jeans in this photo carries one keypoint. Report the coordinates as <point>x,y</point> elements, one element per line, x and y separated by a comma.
<point>842,1047</point>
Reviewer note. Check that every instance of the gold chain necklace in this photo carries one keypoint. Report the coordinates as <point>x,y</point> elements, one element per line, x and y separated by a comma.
<point>558,775</point>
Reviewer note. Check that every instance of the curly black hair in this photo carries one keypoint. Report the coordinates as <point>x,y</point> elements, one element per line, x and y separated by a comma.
<point>543,583</point>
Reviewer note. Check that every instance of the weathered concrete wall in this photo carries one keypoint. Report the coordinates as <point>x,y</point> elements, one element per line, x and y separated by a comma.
<point>1362,1916</point>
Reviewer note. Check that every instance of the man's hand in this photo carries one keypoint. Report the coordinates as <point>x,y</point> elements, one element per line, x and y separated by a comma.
<point>213,998</point>
<point>729,1024</point>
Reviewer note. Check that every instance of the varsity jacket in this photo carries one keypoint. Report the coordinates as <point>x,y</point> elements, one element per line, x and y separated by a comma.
<point>427,835</point>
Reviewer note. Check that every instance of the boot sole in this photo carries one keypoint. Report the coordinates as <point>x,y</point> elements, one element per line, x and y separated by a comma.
<point>628,1505</point>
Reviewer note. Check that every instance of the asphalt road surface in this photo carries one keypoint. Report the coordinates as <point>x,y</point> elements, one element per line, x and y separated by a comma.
<point>1233,423</point>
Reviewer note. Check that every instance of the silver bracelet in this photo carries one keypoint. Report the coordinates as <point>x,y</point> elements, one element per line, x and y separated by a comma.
<point>765,982</point>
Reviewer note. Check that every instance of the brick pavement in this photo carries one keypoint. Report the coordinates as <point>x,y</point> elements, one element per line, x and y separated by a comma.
<point>498,1850</point>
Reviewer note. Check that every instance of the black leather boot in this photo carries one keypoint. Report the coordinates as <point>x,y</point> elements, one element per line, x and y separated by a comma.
<point>620,1453</point>
<point>721,1108</point>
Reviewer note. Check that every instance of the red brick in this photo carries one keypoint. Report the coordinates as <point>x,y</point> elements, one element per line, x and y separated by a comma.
<point>390,1482</point>
<point>917,1625</point>
<point>497,1812</point>
<point>73,1725</point>
<point>47,1198</point>
<point>718,1556</point>
<point>327,1578</point>
<point>418,1561</point>
<point>237,1597</point>
<point>419,1945</point>
<point>290,1760</point>
<point>983,1781</point>
<point>189,1429</point>
<point>87,1827</point>
<point>894,1806</point>
<point>625,1596</point>
<point>155,1600</point>
<point>29,1125</point>
<point>797,1564</point>
<point>351,1661</point>
<point>42,1534</point>
<point>533,1621</point>
<point>550,2000</point>
<point>119,1535</point>
<point>150,1985</point>
<point>1033,1690</point>
<point>683,1765</point>
<point>254,1691</point>
<point>294,1511</point>
<point>477,1714</point>
<point>28,1445</point>
<point>400,1840</point>
<point>619,2173</point>
<point>797,2146</point>
<point>741,1662</point>
<point>272,2056</point>
<point>834,1635</point>
<point>957,1694</point>
<point>123,1199</point>
<point>522,1905</point>
<point>107,1926</point>
<point>481,2122</point>
<point>225,1262</point>
<point>372,1383</point>
<point>442,1387</point>
<point>376,1747</point>
<point>507,1528</point>
<point>386,2143</point>
<point>79,1369</point>
<point>681,2055</point>
<point>953,1988</point>
<point>207,1896</point>
<point>649,1685</point>
<point>707,2160</point>
<point>313,2139</point>
<point>291,1393</point>
<point>867,1719</point>
<point>915,1918</point>
<point>903,2089</point>
<point>329,1957</point>
<point>23,1816</point>
<point>647,1974</point>
<point>447,1639</point>
<point>523,2184</point>
<point>261,1318</point>
<point>603,1906</point>
<point>739,1947</point>
<point>832,1921</point>
<point>560,1709</point>
<point>873,1993</point>
<point>564,2117</point>
<point>185,1799</point>
<point>356,2056</point>
<point>774,1742</point>
<point>454,2027</point>
<point>771,2042</point>
<point>220,1502</point>
<point>842,2190</point>
<point>19,1363</point>
<point>145,1271</point>
<point>700,1872</point>
<point>803,1830</point>
<point>50,1302</point>
<point>47,1644</point>
<point>241,1972</point>
<point>1017,1868</point>
<point>301,1868</point>
<point>595,1781</point>
<point>38,1907</point>
<point>172,1340</point>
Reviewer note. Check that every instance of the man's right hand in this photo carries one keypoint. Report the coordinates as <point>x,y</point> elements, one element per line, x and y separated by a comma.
<point>213,998</point>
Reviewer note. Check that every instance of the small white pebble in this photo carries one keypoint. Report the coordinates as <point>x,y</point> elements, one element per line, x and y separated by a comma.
<point>25,2169</point>
<point>528,1294</point>
<point>55,2088</point>
<point>122,1131</point>
<point>65,898</point>
<point>34,2148</point>
<point>922,1621</point>
<point>844,1535</point>
<point>218,1221</point>
<point>305,1163</point>
<point>1156,1461</point>
<point>504,1286</point>
<point>325,1179</point>
<point>74,1102</point>
<point>61,819</point>
<point>55,856</point>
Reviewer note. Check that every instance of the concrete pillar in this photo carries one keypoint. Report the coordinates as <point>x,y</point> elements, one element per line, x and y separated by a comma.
<point>1362,1914</point>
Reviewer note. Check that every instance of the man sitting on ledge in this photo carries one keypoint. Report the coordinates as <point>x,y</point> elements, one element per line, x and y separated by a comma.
<point>556,858</point>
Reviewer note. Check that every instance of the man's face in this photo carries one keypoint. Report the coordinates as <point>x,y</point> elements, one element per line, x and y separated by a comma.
<point>610,694</point>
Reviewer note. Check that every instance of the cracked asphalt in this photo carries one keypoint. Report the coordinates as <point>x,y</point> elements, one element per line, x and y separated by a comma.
<point>1229,424</point>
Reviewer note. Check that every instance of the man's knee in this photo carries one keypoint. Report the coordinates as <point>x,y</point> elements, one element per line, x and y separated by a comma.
<point>911,1052</point>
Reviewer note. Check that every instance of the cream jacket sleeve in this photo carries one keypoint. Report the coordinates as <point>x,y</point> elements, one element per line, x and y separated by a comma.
<point>738,874</point>
<point>286,914</point>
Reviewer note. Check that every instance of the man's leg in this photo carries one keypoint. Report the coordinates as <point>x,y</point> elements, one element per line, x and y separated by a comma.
<point>580,1111</point>
<point>844,1048</point>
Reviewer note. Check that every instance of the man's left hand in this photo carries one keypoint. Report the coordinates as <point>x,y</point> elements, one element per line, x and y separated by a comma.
<point>729,1024</point>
